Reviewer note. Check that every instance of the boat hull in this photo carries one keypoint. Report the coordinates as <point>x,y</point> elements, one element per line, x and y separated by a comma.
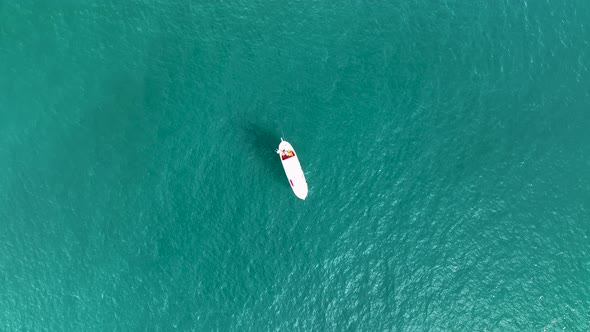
<point>293,169</point>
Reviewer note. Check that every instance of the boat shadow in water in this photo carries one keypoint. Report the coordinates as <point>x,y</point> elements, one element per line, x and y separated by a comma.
<point>262,144</point>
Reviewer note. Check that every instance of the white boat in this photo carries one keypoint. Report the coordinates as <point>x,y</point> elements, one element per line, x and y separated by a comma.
<point>293,169</point>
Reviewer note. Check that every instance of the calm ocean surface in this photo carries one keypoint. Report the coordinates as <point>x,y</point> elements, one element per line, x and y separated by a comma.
<point>446,145</point>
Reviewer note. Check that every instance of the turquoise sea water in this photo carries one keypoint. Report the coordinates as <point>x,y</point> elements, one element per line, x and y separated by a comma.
<point>446,146</point>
